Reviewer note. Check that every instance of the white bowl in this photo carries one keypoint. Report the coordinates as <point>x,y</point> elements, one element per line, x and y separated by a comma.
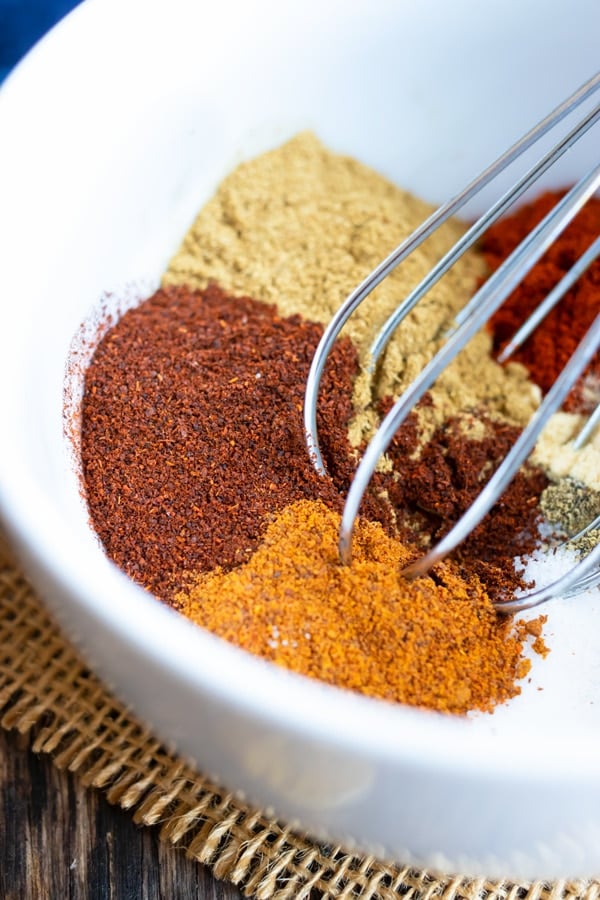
<point>115,129</point>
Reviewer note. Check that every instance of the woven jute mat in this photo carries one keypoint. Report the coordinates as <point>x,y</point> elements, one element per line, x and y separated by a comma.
<point>47,692</point>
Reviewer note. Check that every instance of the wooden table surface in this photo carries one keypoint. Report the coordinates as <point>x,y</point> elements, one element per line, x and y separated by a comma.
<point>60,841</point>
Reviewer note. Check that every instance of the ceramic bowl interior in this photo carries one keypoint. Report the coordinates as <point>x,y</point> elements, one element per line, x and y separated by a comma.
<point>115,130</point>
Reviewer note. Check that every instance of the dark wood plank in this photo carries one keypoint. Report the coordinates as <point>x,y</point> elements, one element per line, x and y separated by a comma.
<point>59,840</point>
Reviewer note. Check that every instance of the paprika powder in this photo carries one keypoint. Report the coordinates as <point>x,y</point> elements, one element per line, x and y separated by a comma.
<point>549,348</point>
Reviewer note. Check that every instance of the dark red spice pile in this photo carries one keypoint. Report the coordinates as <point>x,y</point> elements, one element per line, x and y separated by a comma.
<point>549,348</point>
<point>192,431</point>
<point>433,489</point>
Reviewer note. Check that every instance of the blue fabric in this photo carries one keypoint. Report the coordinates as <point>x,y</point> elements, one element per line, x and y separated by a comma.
<point>22,23</point>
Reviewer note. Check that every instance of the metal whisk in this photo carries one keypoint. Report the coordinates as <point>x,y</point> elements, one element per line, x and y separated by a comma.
<point>474,315</point>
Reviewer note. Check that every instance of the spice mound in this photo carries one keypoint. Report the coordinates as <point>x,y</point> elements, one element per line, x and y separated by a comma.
<point>549,348</point>
<point>192,430</point>
<point>434,642</point>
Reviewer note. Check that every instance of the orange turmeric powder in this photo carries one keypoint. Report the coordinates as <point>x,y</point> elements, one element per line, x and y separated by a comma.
<point>435,642</point>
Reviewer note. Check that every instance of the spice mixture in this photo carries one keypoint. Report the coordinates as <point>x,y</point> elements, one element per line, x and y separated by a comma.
<point>195,467</point>
<point>193,436</point>
<point>434,487</point>
<point>554,451</point>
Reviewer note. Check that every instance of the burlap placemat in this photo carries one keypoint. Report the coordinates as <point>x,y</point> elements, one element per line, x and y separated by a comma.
<point>49,694</point>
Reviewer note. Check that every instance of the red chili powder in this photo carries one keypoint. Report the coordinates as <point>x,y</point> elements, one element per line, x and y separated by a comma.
<point>192,431</point>
<point>551,345</point>
<point>433,489</point>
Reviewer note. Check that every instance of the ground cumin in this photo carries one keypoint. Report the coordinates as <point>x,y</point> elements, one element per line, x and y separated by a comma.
<point>554,450</point>
<point>301,226</point>
<point>435,642</point>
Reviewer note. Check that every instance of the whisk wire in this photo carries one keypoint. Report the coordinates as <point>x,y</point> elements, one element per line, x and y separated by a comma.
<point>472,234</point>
<point>491,295</point>
<point>587,429</point>
<point>474,315</point>
<point>516,456</point>
<point>425,230</point>
<point>550,301</point>
<point>581,576</point>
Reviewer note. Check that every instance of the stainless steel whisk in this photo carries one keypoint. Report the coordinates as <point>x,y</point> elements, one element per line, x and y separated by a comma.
<point>473,316</point>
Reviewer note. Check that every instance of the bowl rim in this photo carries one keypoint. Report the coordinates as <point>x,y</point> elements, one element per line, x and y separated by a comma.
<point>375,728</point>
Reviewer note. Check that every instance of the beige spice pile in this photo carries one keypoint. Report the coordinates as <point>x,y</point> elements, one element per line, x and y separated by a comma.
<point>555,453</point>
<point>301,226</point>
